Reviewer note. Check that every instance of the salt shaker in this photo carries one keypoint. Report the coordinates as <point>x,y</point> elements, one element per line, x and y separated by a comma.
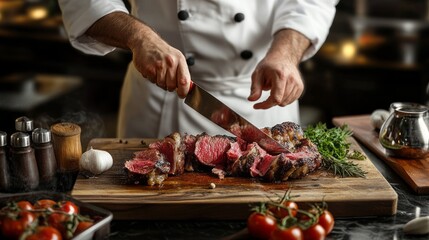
<point>24,172</point>
<point>4,165</point>
<point>68,150</point>
<point>45,158</point>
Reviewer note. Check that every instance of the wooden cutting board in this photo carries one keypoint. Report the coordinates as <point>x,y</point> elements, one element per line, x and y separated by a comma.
<point>415,172</point>
<point>189,196</point>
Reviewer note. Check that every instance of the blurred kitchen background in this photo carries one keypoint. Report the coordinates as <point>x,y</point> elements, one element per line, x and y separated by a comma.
<point>377,53</point>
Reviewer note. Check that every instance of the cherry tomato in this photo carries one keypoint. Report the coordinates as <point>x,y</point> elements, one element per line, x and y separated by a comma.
<point>261,226</point>
<point>58,221</point>
<point>25,205</point>
<point>68,207</point>
<point>13,228</point>
<point>82,226</point>
<point>326,220</point>
<point>281,212</point>
<point>315,232</point>
<point>292,233</point>
<point>45,204</point>
<point>45,233</point>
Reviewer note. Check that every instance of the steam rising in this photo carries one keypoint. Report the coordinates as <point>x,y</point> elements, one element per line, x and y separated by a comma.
<point>91,124</point>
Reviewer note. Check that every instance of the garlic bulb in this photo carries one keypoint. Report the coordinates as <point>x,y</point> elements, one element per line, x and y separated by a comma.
<point>96,161</point>
<point>417,226</point>
<point>378,117</point>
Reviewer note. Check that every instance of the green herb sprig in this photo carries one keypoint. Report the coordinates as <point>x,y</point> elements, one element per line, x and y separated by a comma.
<point>335,149</point>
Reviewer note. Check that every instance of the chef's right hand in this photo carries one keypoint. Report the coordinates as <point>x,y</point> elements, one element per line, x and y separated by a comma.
<point>162,64</point>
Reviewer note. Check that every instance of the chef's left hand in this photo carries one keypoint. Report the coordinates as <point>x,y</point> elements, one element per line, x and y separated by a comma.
<point>280,76</point>
<point>278,71</point>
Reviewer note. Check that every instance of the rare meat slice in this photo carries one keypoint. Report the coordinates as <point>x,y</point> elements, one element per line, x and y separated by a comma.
<point>254,169</point>
<point>191,162</point>
<point>265,164</point>
<point>211,150</point>
<point>246,164</point>
<point>234,152</point>
<point>173,150</point>
<point>147,166</point>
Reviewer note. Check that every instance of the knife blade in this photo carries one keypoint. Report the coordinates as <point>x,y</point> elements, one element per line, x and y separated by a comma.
<point>213,109</point>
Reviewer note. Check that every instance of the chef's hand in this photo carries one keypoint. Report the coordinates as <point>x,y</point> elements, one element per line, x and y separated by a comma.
<point>281,77</point>
<point>162,64</point>
<point>278,71</point>
<point>153,57</point>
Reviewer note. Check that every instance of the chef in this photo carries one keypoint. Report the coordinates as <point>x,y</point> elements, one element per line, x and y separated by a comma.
<point>246,53</point>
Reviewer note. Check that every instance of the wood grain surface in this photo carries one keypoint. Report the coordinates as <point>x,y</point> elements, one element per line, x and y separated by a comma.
<point>414,171</point>
<point>189,196</point>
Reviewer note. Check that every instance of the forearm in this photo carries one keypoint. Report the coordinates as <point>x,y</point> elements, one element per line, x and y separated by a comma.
<point>121,30</point>
<point>289,44</point>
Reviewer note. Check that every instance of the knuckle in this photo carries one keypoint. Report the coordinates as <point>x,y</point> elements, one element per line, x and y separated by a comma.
<point>277,99</point>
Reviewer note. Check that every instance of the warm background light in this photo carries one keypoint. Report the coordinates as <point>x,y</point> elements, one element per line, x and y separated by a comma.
<point>37,13</point>
<point>348,49</point>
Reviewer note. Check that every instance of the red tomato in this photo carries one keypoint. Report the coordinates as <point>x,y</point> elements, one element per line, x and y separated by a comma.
<point>292,233</point>
<point>261,226</point>
<point>82,226</point>
<point>45,204</point>
<point>13,228</point>
<point>315,232</point>
<point>58,221</point>
<point>68,207</point>
<point>281,212</point>
<point>45,233</point>
<point>25,205</point>
<point>326,220</point>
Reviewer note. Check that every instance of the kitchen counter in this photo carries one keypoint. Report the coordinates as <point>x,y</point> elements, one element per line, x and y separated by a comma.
<point>390,227</point>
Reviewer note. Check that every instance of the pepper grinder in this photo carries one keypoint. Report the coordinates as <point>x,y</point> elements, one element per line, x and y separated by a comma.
<point>68,150</point>
<point>24,124</point>
<point>45,157</point>
<point>25,175</point>
<point>4,165</point>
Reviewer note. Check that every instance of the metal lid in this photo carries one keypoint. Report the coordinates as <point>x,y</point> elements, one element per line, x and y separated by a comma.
<point>3,139</point>
<point>20,139</point>
<point>24,124</point>
<point>41,135</point>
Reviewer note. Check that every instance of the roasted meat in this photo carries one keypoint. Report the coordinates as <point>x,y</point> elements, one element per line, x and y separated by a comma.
<point>148,166</point>
<point>228,156</point>
<point>173,150</point>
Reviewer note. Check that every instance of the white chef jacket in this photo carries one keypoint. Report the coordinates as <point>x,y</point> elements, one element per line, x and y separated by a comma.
<point>225,51</point>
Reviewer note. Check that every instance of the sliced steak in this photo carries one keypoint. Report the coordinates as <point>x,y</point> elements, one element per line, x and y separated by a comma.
<point>224,155</point>
<point>265,164</point>
<point>148,166</point>
<point>234,152</point>
<point>246,164</point>
<point>191,163</point>
<point>173,149</point>
<point>211,150</point>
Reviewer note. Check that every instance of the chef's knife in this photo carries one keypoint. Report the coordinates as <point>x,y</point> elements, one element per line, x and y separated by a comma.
<point>219,113</point>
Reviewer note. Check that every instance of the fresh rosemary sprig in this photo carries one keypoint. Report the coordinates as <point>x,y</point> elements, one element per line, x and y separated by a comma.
<point>335,149</point>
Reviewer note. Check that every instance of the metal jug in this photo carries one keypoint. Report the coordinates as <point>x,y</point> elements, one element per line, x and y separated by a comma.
<point>405,133</point>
